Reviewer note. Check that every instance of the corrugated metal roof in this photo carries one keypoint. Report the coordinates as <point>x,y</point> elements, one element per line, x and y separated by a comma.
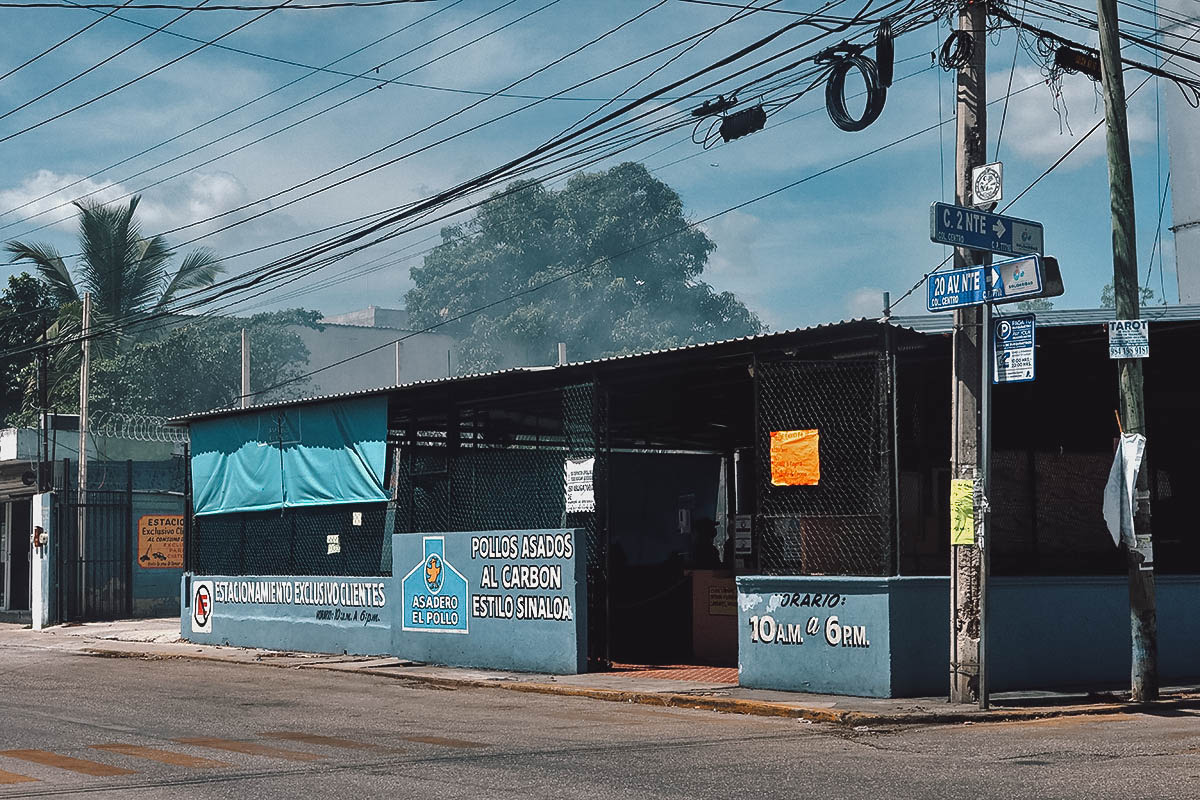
<point>216,412</point>
<point>1056,318</point>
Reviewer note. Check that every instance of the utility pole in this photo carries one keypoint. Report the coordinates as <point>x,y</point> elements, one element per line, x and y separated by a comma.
<point>969,342</point>
<point>85,368</point>
<point>43,386</point>
<point>1142,613</point>
<point>245,368</point>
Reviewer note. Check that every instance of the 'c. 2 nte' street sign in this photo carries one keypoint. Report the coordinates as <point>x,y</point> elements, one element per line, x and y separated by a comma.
<point>1013,357</point>
<point>1002,282</point>
<point>979,230</point>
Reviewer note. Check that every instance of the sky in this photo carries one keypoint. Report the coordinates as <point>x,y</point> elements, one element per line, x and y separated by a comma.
<point>823,250</point>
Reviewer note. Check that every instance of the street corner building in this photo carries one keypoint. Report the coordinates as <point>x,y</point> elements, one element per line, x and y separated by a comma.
<point>778,503</point>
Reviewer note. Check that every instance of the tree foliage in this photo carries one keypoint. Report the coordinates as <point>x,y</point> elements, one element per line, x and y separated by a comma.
<point>1108,297</point>
<point>626,269</point>
<point>164,367</point>
<point>25,308</point>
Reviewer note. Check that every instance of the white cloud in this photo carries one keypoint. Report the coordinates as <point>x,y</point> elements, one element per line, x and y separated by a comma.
<point>866,301</point>
<point>1038,125</point>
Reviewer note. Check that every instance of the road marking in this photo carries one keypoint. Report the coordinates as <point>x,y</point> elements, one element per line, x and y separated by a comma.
<point>251,748</point>
<point>328,741</point>
<point>12,777</point>
<point>45,757</point>
<point>443,742</point>
<point>162,756</point>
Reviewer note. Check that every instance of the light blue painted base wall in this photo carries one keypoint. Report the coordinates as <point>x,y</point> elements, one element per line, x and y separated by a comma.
<point>1044,633</point>
<point>474,639</point>
<point>336,626</point>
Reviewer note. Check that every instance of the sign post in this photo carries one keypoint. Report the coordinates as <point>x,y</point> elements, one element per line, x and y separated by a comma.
<point>1013,353</point>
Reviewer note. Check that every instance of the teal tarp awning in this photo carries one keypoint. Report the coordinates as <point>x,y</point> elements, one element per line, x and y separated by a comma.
<point>318,454</point>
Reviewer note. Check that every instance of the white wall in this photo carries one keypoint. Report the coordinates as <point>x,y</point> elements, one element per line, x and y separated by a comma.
<point>1183,141</point>
<point>422,357</point>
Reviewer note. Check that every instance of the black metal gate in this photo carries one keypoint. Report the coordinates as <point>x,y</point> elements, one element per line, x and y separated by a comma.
<point>94,557</point>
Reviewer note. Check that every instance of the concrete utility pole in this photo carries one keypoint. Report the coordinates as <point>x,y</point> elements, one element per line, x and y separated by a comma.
<point>245,368</point>
<point>968,343</point>
<point>1142,612</point>
<point>85,369</point>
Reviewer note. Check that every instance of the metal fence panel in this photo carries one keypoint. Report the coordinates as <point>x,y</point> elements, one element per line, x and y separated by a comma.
<point>842,525</point>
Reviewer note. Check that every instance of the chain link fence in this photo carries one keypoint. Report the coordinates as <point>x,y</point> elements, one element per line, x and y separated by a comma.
<point>842,524</point>
<point>319,540</point>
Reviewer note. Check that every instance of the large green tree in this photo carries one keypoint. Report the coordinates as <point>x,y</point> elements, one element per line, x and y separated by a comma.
<point>632,262</point>
<point>25,310</point>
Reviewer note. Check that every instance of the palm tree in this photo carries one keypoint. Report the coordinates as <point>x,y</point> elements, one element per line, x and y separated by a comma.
<point>128,276</point>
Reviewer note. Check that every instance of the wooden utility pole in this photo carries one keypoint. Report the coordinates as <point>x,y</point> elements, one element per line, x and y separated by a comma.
<point>245,368</point>
<point>968,342</point>
<point>1142,614</point>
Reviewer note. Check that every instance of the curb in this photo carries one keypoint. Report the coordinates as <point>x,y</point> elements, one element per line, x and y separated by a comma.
<point>727,705</point>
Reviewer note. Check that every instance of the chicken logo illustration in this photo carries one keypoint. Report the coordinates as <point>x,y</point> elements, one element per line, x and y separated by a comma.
<point>433,574</point>
<point>435,594</point>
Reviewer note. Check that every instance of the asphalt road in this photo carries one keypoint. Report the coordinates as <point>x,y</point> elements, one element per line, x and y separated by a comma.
<point>80,726</point>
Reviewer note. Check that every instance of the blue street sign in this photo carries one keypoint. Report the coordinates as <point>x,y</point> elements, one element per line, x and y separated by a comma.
<point>979,230</point>
<point>1013,350</point>
<point>956,288</point>
<point>1003,282</point>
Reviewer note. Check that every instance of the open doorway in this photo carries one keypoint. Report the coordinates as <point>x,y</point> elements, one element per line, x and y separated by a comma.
<point>14,555</point>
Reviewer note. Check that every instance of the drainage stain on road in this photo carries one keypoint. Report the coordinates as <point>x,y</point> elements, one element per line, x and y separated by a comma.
<point>161,756</point>
<point>82,766</point>
<point>250,748</point>
<point>175,758</point>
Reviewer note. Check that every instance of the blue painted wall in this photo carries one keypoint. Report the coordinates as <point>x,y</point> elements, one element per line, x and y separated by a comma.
<point>480,599</point>
<point>155,589</point>
<point>312,614</point>
<point>1044,633</point>
<point>862,636</point>
<point>1074,632</point>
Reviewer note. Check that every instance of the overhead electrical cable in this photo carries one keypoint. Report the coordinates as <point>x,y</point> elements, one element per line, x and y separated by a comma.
<point>437,200</point>
<point>280,112</point>
<point>90,69</point>
<point>211,120</point>
<point>129,82</point>
<point>62,42</point>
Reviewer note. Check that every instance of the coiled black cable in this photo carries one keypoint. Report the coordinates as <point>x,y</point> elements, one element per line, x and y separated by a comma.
<point>956,51</point>
<point>835,91</point>
<point>885,51</point>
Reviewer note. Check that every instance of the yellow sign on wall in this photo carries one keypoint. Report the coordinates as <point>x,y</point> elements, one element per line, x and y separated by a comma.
<point>962,512</point>
<point>160,541</point>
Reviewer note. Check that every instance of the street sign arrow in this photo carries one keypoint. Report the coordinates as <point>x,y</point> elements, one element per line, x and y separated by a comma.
<point>979,230</point>
<point>1003,282</point>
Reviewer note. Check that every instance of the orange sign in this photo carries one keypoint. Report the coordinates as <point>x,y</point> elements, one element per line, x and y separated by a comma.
<point>796,458</point>
<point>160,541</point>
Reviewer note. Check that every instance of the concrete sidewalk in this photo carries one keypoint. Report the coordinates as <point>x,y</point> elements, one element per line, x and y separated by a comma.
<point>159,638</point>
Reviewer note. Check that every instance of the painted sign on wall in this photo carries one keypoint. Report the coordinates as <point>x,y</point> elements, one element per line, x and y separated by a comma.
<point>517,599</point>
<point>160,541</point>
<point>316,613</point>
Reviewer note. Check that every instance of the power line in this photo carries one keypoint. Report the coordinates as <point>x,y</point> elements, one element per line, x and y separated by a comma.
<point>441,199</point>
<point>92,68</point>
<point>61,42</point>
<point>587,267</point>
<point>131,81</point>
<point>178,7</point>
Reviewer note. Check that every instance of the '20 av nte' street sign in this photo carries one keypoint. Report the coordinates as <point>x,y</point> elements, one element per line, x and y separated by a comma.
<point>979,230</point>
<point>1013,357</point>
<point>1002,282</point>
